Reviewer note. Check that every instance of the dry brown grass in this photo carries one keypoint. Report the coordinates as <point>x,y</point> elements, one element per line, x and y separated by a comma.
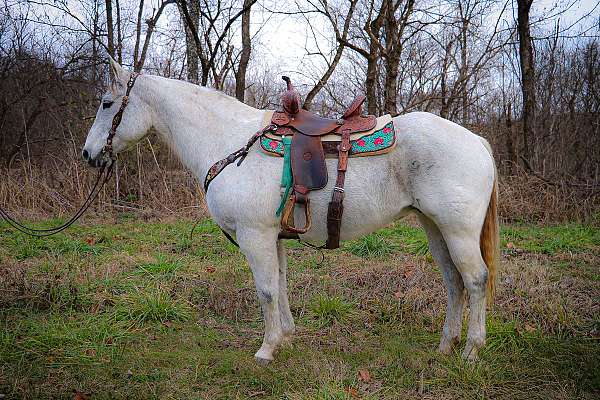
<point>151,190</point>
<point>526,197</point>
<point>58,191</point>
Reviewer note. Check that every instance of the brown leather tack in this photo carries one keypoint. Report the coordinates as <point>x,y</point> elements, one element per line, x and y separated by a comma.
<point>355,108</point>
<point>308,151</point>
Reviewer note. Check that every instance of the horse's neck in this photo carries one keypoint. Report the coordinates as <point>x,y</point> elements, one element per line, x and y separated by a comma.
<point>200,124</point>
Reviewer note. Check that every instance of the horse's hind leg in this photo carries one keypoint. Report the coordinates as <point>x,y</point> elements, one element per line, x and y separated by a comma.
<point>287,320</point>
<point>454,285</point>
<point>260,249</point>
<point>463,245</point>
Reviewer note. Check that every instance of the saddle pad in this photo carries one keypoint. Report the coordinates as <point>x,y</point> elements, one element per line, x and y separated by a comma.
<point>379,140</point>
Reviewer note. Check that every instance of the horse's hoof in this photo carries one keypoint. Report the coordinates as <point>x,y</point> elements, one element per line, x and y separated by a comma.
<point>445,348</point>
<point>263,356</point>
<point>446,345</point>
<point>263,362</point>
<point>470,352</point>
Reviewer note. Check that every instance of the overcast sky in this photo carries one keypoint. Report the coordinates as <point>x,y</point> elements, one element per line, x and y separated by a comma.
<point>284,38</point>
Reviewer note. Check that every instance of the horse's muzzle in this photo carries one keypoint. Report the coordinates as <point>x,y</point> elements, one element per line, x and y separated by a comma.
<point>96,162</point>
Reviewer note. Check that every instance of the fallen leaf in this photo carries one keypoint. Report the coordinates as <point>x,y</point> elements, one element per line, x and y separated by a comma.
<point>210,270</point>
<point>510,245</point>
<point>90,352</point>
<point>364,375</point>
<point>398,295</point>
<point>91,241</point>
<point>352,392</point>
<point>409,271</point>
<point>80,396</point>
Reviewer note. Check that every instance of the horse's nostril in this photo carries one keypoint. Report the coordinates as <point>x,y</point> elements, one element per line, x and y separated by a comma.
<point>85,155</point>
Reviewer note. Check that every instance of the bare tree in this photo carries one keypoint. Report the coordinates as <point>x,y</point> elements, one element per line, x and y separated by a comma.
<point>215,24</point>
<point>109,29</point>
<point>527,76</point>
<point>139,58</point>
<point>191,49</point>
<point>240,75</point>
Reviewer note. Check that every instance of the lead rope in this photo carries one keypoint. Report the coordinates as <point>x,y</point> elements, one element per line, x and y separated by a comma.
<point>103,176</point>
<point>86,204</point>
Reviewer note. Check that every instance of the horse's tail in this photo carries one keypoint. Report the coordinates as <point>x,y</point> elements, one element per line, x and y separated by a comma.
<point>489,240</point>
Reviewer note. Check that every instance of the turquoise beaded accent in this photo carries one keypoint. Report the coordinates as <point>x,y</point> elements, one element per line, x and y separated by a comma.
<point>377,141</point>
<point>272,145</point>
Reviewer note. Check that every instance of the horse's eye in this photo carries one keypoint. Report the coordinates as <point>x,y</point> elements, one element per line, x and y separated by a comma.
<point>106,104</point>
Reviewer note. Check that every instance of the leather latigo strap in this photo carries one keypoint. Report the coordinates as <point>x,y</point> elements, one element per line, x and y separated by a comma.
<point>336,206</point>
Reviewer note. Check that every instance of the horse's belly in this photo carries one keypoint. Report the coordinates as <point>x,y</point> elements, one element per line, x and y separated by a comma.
<point>374,197</point>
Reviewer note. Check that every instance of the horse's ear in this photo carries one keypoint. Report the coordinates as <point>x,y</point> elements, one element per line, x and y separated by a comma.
<point>118,75</point>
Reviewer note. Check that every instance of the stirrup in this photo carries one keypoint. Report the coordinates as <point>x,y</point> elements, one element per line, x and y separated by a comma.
<point>288,212</point>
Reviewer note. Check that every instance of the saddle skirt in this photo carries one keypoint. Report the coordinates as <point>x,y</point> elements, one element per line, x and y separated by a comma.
<point>379,140</point>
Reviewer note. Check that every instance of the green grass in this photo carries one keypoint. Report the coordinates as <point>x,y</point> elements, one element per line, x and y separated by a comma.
<point>150,305</point>
<point>160,266</point>
<point>553,239</point>
<point>370,246</point>
<point>139,310</point>
<point>328,310</point>
<point>397,238</point>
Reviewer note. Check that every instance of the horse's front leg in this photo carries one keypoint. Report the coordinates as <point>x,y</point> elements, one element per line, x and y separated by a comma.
<point>287,320</point>
<point>260,249</point>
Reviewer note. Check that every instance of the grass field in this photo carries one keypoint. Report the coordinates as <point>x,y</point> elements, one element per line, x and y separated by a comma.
<point>139,310</point>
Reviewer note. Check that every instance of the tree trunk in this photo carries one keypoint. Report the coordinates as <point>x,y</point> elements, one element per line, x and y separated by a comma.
<point>119,33</point>
<point>240,76</point>
<point>392,58</point>
<point>527,78</point>
<point>391,81</point>
<point>191,50</point>
<point>109,29</point>
<point>395,28</point>
<point>464,68</point>
<point>371,81</point>
<point>444,81</point>
<point>510,146</point>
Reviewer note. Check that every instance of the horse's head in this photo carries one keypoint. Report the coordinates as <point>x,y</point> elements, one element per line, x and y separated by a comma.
<point>134,126</point>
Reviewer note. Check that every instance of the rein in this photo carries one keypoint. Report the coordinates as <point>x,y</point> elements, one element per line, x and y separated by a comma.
<point>103,176</point>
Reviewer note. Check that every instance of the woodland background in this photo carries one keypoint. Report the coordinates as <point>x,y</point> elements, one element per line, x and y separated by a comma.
<point>523,76</point>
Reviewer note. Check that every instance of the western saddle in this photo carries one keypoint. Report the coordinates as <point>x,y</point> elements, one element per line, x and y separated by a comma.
<point>309,170</point>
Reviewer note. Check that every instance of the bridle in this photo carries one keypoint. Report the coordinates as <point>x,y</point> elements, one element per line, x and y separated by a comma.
<point>104,175</point>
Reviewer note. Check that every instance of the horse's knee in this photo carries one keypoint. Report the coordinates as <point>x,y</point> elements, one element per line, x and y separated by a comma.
<point>265,296</point>
<point>476,279</point>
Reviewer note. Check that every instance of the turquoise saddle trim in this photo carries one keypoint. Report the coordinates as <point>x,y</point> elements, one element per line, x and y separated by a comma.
<point>379,140</point>
<point>287,180</point>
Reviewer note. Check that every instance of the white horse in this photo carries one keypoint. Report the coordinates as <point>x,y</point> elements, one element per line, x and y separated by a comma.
<point>438,170</point>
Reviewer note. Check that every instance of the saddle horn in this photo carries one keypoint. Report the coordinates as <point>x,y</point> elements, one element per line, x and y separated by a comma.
<point>290,99</point>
